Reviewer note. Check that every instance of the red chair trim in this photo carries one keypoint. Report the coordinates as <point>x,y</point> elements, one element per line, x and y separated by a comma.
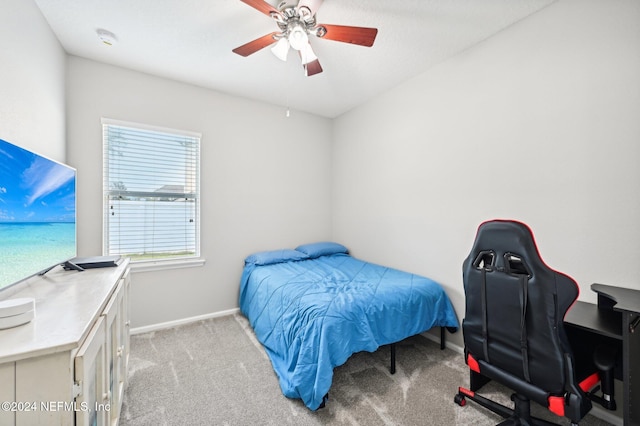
<point>473,364</point>
<point>556,405</point>
<point>466,392</point>
<point>587,384</point>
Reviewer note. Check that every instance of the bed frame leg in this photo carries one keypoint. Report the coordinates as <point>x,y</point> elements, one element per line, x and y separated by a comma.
<point>392,368</point>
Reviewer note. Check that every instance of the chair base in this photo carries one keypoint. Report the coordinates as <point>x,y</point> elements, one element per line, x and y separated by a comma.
<point>519,415</point>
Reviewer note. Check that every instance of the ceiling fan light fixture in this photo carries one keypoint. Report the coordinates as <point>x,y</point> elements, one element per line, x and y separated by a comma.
<point>278,18</point>
<point>296,23</point>
<point>307,55</point>
<point>298,37</point>
<point>320,31</point>
<point>281,49</point>
<point>305,13</point>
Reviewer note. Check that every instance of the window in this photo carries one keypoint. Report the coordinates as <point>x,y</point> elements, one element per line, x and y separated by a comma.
<point>151,192</point>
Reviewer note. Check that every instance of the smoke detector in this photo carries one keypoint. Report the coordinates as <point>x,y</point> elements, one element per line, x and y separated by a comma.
<point>106,37</point>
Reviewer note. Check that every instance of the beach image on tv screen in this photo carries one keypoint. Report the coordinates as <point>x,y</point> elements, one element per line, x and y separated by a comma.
<point>37,213</point>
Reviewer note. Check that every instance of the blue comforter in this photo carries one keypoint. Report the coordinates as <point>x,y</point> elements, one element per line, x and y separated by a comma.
<point>312,315</point>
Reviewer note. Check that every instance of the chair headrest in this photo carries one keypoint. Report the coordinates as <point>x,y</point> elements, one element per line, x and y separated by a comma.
<point>506,245</point>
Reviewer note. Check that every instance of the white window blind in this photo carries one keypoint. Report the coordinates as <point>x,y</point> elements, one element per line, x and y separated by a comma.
<point>151,192</point>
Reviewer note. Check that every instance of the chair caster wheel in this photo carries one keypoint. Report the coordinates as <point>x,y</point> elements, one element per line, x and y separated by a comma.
<point>460,400</point>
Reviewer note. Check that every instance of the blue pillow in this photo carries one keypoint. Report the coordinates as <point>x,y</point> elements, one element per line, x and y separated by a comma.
<point>275,256</point>
<point>321,249</point>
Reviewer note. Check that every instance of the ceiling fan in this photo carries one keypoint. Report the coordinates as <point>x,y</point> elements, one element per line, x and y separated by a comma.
<point>296,24</point>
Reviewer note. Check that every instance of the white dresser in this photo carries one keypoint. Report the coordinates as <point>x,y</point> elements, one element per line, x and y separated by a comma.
<point>68,366</point>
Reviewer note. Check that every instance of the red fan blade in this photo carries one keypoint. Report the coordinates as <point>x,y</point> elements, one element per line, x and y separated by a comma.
<point>313,68</point>
<point>354,35</point>
<point>312,5</point>
<point>255,45</point>
<point>261,6</point>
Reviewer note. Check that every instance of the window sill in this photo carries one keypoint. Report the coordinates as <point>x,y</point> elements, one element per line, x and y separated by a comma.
<point>159,265</point>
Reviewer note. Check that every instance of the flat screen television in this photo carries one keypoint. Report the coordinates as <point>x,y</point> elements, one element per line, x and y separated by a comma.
<point>37,214</point>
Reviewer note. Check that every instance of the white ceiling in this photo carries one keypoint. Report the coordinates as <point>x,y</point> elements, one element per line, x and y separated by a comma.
<point>191,41</point>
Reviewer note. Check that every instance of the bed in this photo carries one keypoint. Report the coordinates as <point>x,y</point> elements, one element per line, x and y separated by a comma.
<point>313,307</point>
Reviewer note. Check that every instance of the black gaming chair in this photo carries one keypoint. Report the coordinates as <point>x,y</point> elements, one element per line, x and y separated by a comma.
<point>513,327</point>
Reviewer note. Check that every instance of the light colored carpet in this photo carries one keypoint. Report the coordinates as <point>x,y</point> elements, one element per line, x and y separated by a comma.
<point>215,372</point>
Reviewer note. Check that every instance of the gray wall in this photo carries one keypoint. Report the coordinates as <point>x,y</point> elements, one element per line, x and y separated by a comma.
<point>32,70</point>
<point>263,185</point>
<point>539,123</point>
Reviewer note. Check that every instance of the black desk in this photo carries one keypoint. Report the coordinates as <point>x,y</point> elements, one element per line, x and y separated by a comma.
<point>615,320</point>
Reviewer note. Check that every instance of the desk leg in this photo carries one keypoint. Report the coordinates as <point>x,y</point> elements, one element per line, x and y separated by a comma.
<point>631,356</point>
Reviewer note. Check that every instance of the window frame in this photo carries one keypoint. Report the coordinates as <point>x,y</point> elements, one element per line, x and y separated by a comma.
<point>158,263</point>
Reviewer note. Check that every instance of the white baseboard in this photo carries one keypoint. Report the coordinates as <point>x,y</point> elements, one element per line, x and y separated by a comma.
<point>447,343</point>
<point>175,323</point>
